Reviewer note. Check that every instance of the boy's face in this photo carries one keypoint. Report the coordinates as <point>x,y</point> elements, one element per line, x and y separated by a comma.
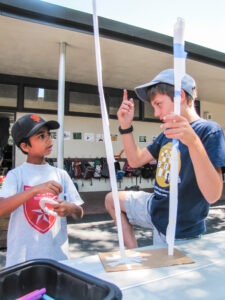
<point>163,105</point>
<point>41,143</point>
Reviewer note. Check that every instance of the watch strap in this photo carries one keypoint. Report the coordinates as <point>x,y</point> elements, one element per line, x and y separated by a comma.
<point>127,130</point>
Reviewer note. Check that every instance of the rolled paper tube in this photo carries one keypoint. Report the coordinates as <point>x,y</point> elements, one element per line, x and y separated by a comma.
<point>107,137</point>
<point>42,203</point>
<point>179,72</point>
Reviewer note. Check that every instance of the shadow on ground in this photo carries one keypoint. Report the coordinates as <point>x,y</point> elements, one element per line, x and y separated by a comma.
<point>97,233</point>
<point>94,236</point>
<point>216,219</point>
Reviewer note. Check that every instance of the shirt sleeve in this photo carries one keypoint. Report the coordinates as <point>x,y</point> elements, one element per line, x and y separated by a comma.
<point>10,185</point>
<point>154,147</point>
<point>214,144</point>
<point>70,192</point>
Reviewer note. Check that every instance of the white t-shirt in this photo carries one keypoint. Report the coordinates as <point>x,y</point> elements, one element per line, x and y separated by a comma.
<point>33,233</point>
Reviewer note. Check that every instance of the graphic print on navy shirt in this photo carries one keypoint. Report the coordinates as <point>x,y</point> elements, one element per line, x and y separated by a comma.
<point>164,165</point>
<point>37,218</point>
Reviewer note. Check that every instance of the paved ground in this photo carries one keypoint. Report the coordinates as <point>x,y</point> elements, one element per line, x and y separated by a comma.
<point>97,233</point>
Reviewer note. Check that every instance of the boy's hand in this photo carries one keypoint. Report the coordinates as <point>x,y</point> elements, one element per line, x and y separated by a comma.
<point>177,127</point>
<point>65,208</point>
<point>125,113</point>
<point>52,187</point>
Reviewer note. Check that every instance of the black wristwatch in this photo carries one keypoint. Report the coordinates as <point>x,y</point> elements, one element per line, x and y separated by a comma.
<point>125,131</point>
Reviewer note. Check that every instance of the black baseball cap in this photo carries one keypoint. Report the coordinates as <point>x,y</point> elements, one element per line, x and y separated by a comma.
<point>28,125</point>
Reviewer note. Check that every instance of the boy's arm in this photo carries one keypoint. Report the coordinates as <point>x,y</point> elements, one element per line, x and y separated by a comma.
<point>9,204</point>
<point>136,157</point>
<point>72,205</point>
<point>209,178</point>
<point>78,212</point>
<point>66,208</point>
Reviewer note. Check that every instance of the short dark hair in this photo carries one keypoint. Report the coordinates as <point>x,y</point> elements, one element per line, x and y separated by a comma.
<point>26,141</point>
<point>164,89</point>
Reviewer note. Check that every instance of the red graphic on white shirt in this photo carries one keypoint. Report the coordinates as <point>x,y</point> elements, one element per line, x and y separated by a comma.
<point>37,218</point>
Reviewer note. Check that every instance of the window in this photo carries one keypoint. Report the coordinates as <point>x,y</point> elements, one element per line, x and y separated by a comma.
<point>84,102</point>
<point>8,95</point>
<point>40,98</point>
<point>197,106</point>
<point>115,102</point>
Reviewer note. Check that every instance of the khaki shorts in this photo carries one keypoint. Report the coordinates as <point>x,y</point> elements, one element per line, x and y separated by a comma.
<point>137,205</point>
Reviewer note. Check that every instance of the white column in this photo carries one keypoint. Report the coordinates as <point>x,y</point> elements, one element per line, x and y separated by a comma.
<point>61,101</point>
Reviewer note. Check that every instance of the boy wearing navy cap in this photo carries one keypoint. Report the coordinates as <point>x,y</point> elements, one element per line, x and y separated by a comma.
<point>201,157</point>
<point>37,231</point>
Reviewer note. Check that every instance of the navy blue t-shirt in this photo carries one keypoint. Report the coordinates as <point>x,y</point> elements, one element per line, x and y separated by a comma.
<point>192,206</point>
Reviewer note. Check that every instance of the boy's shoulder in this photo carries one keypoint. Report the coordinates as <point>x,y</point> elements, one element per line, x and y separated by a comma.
<point>206,124</point>
<point>61,172</point>
<point>17,169</point>
<point>25,166</point>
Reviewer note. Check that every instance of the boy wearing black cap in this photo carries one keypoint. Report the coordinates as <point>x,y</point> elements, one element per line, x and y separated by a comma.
<point>35,230</point>
<point>201,156</point>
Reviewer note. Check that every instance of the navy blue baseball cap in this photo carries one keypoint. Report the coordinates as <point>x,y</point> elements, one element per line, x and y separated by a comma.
<point>28,125</point>
<point>166,76</point>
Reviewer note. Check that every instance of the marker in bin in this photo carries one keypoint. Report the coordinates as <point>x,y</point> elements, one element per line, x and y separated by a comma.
<point>46,297</point>
<point>35,295</point>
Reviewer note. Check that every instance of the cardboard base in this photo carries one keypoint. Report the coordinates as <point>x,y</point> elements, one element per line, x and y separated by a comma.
<point>143,259</point>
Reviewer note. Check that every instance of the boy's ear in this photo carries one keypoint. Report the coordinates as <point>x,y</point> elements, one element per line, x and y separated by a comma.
<point>24,147</point>
<point>183,97</point>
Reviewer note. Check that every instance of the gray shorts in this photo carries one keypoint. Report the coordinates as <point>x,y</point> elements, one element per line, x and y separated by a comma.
<point>137,205</point>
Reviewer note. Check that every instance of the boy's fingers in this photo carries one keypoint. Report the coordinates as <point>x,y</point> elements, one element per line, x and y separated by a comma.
<point>174,124</point>
<point>55,189</point>
<point>125,96</point>
<point>59,202</point>
<point>172,117</point>
<point>57,186</point>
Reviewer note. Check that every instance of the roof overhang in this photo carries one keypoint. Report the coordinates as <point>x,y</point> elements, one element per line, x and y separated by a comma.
<point>31,32</point>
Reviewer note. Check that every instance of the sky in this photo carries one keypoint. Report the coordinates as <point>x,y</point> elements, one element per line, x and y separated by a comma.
<point>204,19</point>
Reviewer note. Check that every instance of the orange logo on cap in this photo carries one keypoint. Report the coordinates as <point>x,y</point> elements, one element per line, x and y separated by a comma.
<point>35,118</point>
